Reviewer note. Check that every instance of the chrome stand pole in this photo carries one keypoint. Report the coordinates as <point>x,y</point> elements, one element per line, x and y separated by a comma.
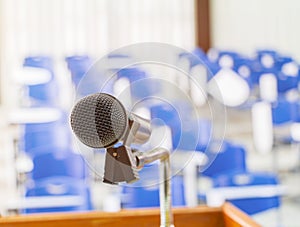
<point>165,198</point>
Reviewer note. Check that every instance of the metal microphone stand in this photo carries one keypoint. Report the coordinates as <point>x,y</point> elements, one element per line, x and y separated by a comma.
<point>165,199</point>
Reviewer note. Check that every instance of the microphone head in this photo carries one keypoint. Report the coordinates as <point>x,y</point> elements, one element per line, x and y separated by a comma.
<point>99,120</point>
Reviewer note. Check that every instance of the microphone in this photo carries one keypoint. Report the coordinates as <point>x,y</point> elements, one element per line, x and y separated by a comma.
<point>101,121</point>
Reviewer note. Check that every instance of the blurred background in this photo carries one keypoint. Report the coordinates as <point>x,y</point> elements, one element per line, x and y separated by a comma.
<point>243,54</point>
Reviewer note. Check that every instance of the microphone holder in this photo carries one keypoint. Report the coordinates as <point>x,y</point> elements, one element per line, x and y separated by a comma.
<point>121,165</point>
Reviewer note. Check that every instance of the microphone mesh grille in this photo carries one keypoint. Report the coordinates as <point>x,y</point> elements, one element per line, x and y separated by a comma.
<point>99,120</point>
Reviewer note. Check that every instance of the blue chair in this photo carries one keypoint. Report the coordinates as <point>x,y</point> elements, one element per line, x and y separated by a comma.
<point>115,58</point>
<point>212,67</point>
<point>286,79</point>
<point>285,112</point>
<point>272,52</point>
<point>286,82</point>
<point>194,58</point>
<point>75,194</point>
<point>255,203</point>
<point>282,111</point>
<point>200,53</point>
<point>258,67</point>
<point>228,173</point>
<point>281,60</point>
<point>239,63</point>
<point>132,74</point>
<point>234,56</point>
<point>222,157</point>
<point>205,135</point>
<point>45,135</point>
<point>295,111</point>
<point>45,94</point>
<point>231,54</point>
<point>78,66</point>
<point>52,133</point>
<point>141,86</point>
<point>186,140</point>
<point>169,115</point>
<point>243,67</point>
<point>89,78</point>
<point>260,53</point>
<point>53,161</point>
<point>145,192</point>
<point>186,130</point>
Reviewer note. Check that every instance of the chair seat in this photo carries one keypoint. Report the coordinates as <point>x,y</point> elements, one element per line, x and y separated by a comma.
<point>57,194</point>
<point>251,192</point>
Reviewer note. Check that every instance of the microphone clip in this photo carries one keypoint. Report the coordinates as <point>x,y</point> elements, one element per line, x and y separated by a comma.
<point>120,165</point>
<point>121,162</point>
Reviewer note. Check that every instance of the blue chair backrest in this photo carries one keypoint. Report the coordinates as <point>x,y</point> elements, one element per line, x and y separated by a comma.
<point>43,94</point>
<point>281,60</point>
<point>194,134</point>
<point>286,79</point>
<point>225,158</point>
<point>286,82</point>
<point>296,111</point>
<point>194,58</point>
<point>46,135</point>
<point>282,111</point>
<point>257,66</point>
<point>141,85</point>
<point>56,133</point>
<point>270,53</point>
<point>243,67</point>
<point>43,62</point>
<point>205,134</point>
<point>132,74</point>
<point>212,67</point>
<point>232,54</point>
<point>184,126</point>
<point>78,66</point>
<point>53,161</point>
<point>169,115</point>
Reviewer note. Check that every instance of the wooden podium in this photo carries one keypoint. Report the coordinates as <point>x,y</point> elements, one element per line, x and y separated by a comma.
<point>202,216</point>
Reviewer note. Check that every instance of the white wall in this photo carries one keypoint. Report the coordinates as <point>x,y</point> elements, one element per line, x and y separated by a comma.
<point>246,25</point>
<point>58,28</point>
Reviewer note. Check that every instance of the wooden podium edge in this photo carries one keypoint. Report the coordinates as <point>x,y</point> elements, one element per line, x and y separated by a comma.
<point>225,216</point>
<point>233,214</point>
